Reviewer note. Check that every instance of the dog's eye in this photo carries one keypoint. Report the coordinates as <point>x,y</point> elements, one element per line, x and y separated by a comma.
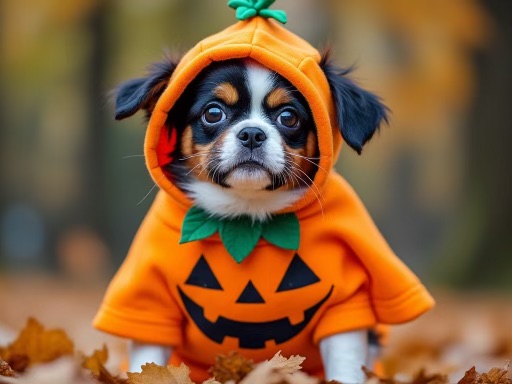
<point>288,118</point>
<point>213,115</point>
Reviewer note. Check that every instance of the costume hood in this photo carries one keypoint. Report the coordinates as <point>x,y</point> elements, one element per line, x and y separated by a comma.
<point>270,44</point>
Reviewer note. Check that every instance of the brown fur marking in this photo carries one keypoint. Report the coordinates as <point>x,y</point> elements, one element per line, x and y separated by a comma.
<point>277,97</point>
<point>227,93</point>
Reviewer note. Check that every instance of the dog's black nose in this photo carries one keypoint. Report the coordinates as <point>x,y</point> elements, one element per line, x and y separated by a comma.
<point>252,137</point>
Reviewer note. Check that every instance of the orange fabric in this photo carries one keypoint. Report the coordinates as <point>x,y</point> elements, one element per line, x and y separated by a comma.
<point>360,282</point>
<point>343,248</point>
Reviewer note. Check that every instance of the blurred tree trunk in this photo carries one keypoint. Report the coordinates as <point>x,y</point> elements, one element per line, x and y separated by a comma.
<point>3,120</point>
<point>483,256</point>
<point>93,209</point>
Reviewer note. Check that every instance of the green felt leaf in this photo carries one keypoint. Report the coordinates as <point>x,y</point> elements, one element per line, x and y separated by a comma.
<point>244,13</point>
<point>197,225</point>
<point>283,231</point>
<point>239,3</point>
<point>240,236</point>
<point>275,14</point>
<point>263,4</point>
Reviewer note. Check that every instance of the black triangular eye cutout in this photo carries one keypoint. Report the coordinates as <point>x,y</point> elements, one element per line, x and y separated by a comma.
<point>297,275</point>
<point>202,276</point>
<point>250,295</point>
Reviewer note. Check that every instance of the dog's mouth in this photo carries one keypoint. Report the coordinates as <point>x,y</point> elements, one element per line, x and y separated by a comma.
<point>249,174</point>
<point>250,166</point>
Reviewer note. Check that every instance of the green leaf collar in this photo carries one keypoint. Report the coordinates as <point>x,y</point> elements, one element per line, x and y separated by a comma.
<point>240,235</point>
<point>245,9</point>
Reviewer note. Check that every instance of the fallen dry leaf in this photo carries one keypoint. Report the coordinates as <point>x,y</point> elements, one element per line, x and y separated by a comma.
<point>267,373</point>
<point>495,376</point>
<point>422,378</point>
<point>61,371</point>
<point>470,377</point>
<point>374,378</point>
<point>96,364</point>
<point>96,361</point>
<point>155,374</point>
<point>5,369</point>
<point>34,344</point>
<point>211,380</point>
<point>287,365</point>
<point>232,366</point>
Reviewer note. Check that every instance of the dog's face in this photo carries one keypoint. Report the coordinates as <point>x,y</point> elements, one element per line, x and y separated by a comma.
<point>246,128</point>
<point>246,138</point>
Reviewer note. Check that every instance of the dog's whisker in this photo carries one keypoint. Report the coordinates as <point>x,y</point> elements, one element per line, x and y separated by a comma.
<point>132,156</point>
<point>206,167</point>
<point>287,178</point>
<point>312,182</point>
<point>215,169</point>
<point>199,154</point>
<point>308,159</point>
<point>191,156</point>
<point>152,188</point>
<point>295,179</point>
<point>314,192</point>
<point>195,166</point>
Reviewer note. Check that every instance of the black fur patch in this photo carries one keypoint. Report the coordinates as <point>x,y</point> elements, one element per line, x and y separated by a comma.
<point>359,112</point>
<point>143,93</point>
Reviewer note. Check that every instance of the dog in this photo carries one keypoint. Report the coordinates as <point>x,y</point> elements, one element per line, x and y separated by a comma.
<point>246,145</point>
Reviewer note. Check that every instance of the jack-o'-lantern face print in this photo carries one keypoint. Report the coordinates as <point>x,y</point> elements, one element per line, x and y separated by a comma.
<point>253,335</point>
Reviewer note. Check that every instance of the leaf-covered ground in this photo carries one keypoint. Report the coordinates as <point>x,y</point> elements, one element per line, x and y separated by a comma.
<point>42,356</point>
<point>442,347</point>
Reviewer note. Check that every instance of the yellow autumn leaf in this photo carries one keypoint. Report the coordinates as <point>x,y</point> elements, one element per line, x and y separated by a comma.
<point>156,374</point>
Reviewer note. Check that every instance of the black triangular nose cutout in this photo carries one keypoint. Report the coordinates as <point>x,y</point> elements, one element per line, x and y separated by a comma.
<point>297,275</point>
<point>250,295</point>
<point>202,276</point>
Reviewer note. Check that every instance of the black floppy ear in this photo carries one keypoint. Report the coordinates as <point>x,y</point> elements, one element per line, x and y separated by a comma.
<point>359,112</point>
<point>143,93</point>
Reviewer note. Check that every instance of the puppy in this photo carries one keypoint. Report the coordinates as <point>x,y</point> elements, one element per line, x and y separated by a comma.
<point>246,141</point>
<point>246,145</point>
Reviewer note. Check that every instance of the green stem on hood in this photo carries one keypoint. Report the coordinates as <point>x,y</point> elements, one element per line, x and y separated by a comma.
<point>246,9</point>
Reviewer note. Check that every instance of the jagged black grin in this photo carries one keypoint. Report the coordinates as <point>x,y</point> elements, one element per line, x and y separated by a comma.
<point>250,335</point>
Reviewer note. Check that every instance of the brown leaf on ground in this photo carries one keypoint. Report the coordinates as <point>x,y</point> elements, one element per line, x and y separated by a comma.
<point>37,345</point>
<point>232,366</point>
<point>155,374</point>
<point>96,361</point>
<point>287,365</point>
<point>62,371</point>
<point>19,363</point>
<point>105,377</point>
<point>495,376</point>
<point>470,377</point>
<point>419,378</point>
<point>5,369</point>
<point>267,373</point>
<point>96,364</point>
<point>211,380</point>
<point>422,378</point>
<point>374,378</point>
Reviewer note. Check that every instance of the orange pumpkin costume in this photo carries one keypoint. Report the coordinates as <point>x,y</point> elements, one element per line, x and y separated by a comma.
<point>199,300</point>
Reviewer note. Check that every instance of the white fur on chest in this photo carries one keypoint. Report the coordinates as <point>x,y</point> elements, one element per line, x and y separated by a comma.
<point>225,202</point>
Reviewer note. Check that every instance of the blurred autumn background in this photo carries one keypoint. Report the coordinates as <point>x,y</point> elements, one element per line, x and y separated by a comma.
<point>74,187</point>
